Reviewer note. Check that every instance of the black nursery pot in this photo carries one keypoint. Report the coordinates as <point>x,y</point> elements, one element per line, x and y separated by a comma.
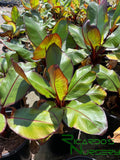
<point>22,152</point>
<point>113,124</point>
<point>80,158</point>
<point>56,144</point>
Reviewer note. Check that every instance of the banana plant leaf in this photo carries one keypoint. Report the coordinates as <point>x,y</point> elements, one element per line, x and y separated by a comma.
<point>2,123</point>
<point>81,82</point>
<point>77,56</point>
<point>12,88</point>
<point>76,33</point>
<point>113,40</point>
<point>82,116</point>
<point>56,56</point>
<point>35,29</point>
<point>35,124</point>
<point>96,94</point>
<point>61,28</point>
<point>22,52</point>
<point>108,79</point>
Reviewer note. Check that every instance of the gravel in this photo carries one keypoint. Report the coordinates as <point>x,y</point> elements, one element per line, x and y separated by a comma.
<point>10,3</point>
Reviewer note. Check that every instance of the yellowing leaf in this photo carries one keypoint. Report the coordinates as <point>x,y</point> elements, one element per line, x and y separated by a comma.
<point>26,5</point>
<point>91,34</point>
<point>116,137</point>
<point>40,51</point>
<point>58,81</point>
<point>34,4</point>
<point>6,18</point>
<point>94,36</point>
<point>20,71</point>
<point>13,25</point>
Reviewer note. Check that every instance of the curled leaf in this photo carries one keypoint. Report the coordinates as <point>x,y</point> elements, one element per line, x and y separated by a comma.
<point>40,51</point>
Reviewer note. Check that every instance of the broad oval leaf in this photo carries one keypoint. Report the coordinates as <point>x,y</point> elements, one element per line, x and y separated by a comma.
<point>35,30</point>
<point>101,17</point>
<point>34,4</point>
<point>6,18</point>
<point>58,81</point>
<point>77,56</point>
<point>97,94</point>
<point>113,40</point>
<point>37,81</point>
<point>40,51</point>
<point>93,36</point>
<point>26,5</point>
<point>34,124</point>
<point>2,123</point>
<point>24,53</point>
<point>56,56</point>
<point>12,88</point>
<point>108,79</point>
<point>87,117</point>
<point>76,33</point>
<point>80,83</point>
<point>20,71</point>
<point>61,28</point>
<point>92,11</point>
<point>14,14</point>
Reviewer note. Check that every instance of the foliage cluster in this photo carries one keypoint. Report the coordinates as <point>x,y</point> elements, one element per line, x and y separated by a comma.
<point>62,49</point>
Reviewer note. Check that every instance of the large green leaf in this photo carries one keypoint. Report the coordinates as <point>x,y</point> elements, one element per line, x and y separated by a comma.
<point>95,94</point>
<point>40,84</point>
<point>80,83</point>
<point>24,53</point>
<point>113,40</point>
<point>56,56</point>
<point>101,16</point>
<point>2,123</point>
<point>35,124</point>
<point>12,88</point>
<point>76,33</point>
<point>92,11</point>
<point>87,117</point>
<point>61,28</point>
<point>68,43</point>
<point>108,79</point>
<point>35,29</point>
<point>77,56</point>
